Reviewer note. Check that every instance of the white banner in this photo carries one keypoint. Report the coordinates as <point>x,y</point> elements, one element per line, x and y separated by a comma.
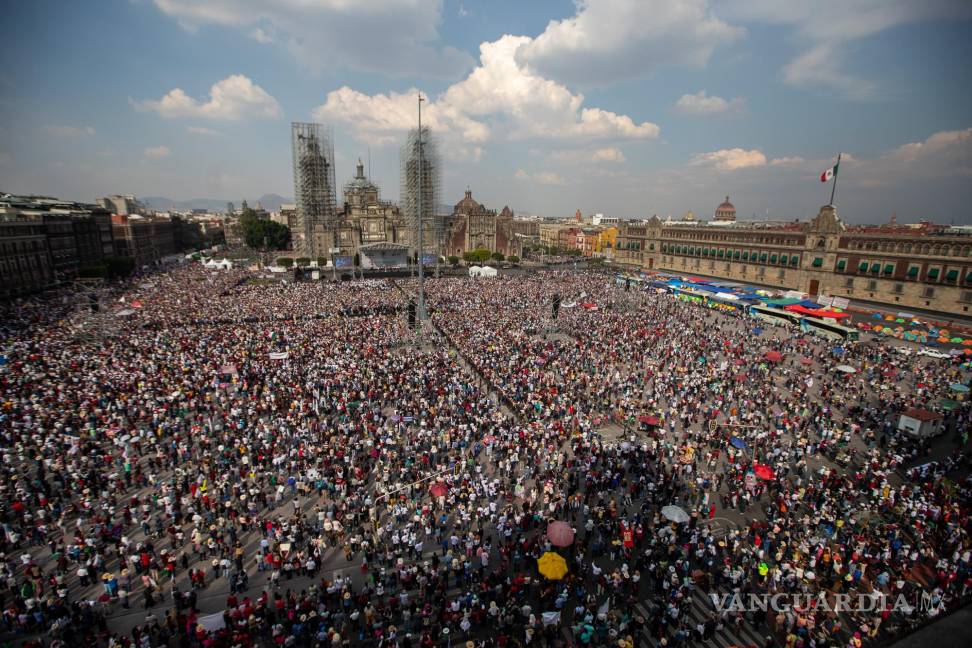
<point>212,622</point>
<point>841,303</point>
<point>279,355</point>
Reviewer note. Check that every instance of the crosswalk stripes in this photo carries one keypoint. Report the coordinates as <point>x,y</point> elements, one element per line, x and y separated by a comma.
<point>699,611</point>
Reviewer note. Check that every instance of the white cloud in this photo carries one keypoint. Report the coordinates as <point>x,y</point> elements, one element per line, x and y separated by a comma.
<point>730,159</point>
<point>703,104</point>
<point>541,177</point>
<point>462,10</point>
<point>69,131</point>
<point>607,40</point>
<point>156,152</point>
<point>234,98</point>
<point>610,154</point>
<point>827,27</point>
<point>581,156</point>
<point>942,155</point>
<point>260,36</point>
<point>498,96</point>
<point>793,161</point>
<point>200,130</point>
<point>395,37</point>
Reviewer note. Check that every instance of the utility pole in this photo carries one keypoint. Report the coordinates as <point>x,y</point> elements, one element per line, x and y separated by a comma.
<point>422,315</point>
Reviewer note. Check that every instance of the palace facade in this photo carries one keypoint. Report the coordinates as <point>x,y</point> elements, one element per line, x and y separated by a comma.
<point>903,267</point>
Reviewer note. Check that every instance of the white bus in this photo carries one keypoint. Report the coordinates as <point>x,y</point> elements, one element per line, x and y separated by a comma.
<point>775,316</point>
<point>830,330</point>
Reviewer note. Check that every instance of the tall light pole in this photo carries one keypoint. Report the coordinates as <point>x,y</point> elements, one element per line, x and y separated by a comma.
<point>422,315</point>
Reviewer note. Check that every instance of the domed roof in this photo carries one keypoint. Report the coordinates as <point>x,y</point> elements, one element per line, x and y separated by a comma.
<point>726,205</point>
<point>468,205</point>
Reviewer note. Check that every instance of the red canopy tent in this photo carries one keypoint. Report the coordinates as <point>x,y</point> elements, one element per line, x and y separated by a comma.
<point>815,312</point>
<point>773,356</point>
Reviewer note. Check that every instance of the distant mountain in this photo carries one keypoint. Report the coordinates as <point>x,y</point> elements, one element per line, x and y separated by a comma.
<point>270,202</point>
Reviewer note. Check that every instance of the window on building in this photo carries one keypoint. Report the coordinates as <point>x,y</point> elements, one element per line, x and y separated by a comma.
<point>794,260</point>
<point>774,258</point>
<point>841,264</point>
<point>872,285</point>
<point>817,262</point>
<point>951,275</point>
<point>933,274</point>
<point>967,296</point>
<point>782,274</point>
<point>875,267</point>
<point>762,257</point>
<point>889,268</point>
<point>913,272</point>
<point>862,266</point>
<point>849,283</point>
<point>898,288</point>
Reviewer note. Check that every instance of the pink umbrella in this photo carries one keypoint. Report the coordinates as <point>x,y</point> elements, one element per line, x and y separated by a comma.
<point>560,534</point>
<point>806,361</point>
<point>438,490</point>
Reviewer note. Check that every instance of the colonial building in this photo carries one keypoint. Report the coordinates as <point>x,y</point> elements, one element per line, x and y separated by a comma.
<point>25,259</point>
<point>725,212</point>
<point>471,226</point>
<point>371,219</point>
<point>898,266</point>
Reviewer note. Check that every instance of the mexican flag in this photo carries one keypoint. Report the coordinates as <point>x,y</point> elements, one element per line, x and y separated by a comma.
<point>829,173</point>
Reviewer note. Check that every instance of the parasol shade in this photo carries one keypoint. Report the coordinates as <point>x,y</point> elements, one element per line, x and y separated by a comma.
<point>847,369</point>
<point>560,534</point>
<point>675,513</point>
<point>763,471</point>
<point>737,443</point>
<point>552,566</point>
<point>773,356</point>
<point>438,490</point>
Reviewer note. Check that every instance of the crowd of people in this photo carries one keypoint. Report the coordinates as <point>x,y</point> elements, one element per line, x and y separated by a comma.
<point>233,462</point>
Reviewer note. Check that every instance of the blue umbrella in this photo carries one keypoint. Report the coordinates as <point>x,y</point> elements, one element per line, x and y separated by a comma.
<point>838,350</point>
<point>737,443</point>
<point>960,388</point>
<point>757,331</point>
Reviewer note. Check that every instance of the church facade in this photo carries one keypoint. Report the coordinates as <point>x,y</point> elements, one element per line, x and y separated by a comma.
<point>472,226</point>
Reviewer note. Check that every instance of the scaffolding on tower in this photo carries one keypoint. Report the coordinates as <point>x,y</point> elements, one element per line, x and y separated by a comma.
<point>314,187</point>
<point>412,200</point>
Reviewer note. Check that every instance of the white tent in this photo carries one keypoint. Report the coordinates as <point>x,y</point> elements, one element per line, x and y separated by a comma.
<point>482,271</point>
<point>225,264</point>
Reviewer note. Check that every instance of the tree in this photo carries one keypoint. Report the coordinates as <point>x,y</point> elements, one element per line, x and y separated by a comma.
<point>476,256</point>
<point>513,258</point>
<point>258,233</point>
<point>498,256</point>
<point>302,261</point>
<point>285,262</point>
<point>321,262</point>
<point>119,267</point>
<point>453,260</point>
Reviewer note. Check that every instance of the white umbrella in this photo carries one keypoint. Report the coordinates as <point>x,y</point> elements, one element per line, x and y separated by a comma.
<point>675,513</point>
<point>847,369</point>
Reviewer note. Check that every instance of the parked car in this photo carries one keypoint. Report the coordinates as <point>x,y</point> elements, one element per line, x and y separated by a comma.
<point>931,353</point>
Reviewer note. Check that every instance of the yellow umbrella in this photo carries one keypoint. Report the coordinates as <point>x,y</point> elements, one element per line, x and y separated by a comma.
<point>552,565</point>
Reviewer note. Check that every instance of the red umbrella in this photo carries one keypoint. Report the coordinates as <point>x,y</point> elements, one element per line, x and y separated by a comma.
<point>560,534</point>
<point>649,420</point>
<point>739,362</point>
<point>741,377</point>
<point>763,471</point>
<point>438,489</point>
<point>773,356</point>
<point>806,361</point>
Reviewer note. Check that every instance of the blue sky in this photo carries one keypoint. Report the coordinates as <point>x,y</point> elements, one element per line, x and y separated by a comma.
<point>627,107</point>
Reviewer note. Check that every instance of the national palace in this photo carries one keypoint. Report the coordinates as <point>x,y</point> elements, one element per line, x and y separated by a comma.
<point>908,267</point>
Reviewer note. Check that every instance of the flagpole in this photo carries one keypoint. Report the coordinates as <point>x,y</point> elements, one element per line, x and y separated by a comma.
<point>833,189</point>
